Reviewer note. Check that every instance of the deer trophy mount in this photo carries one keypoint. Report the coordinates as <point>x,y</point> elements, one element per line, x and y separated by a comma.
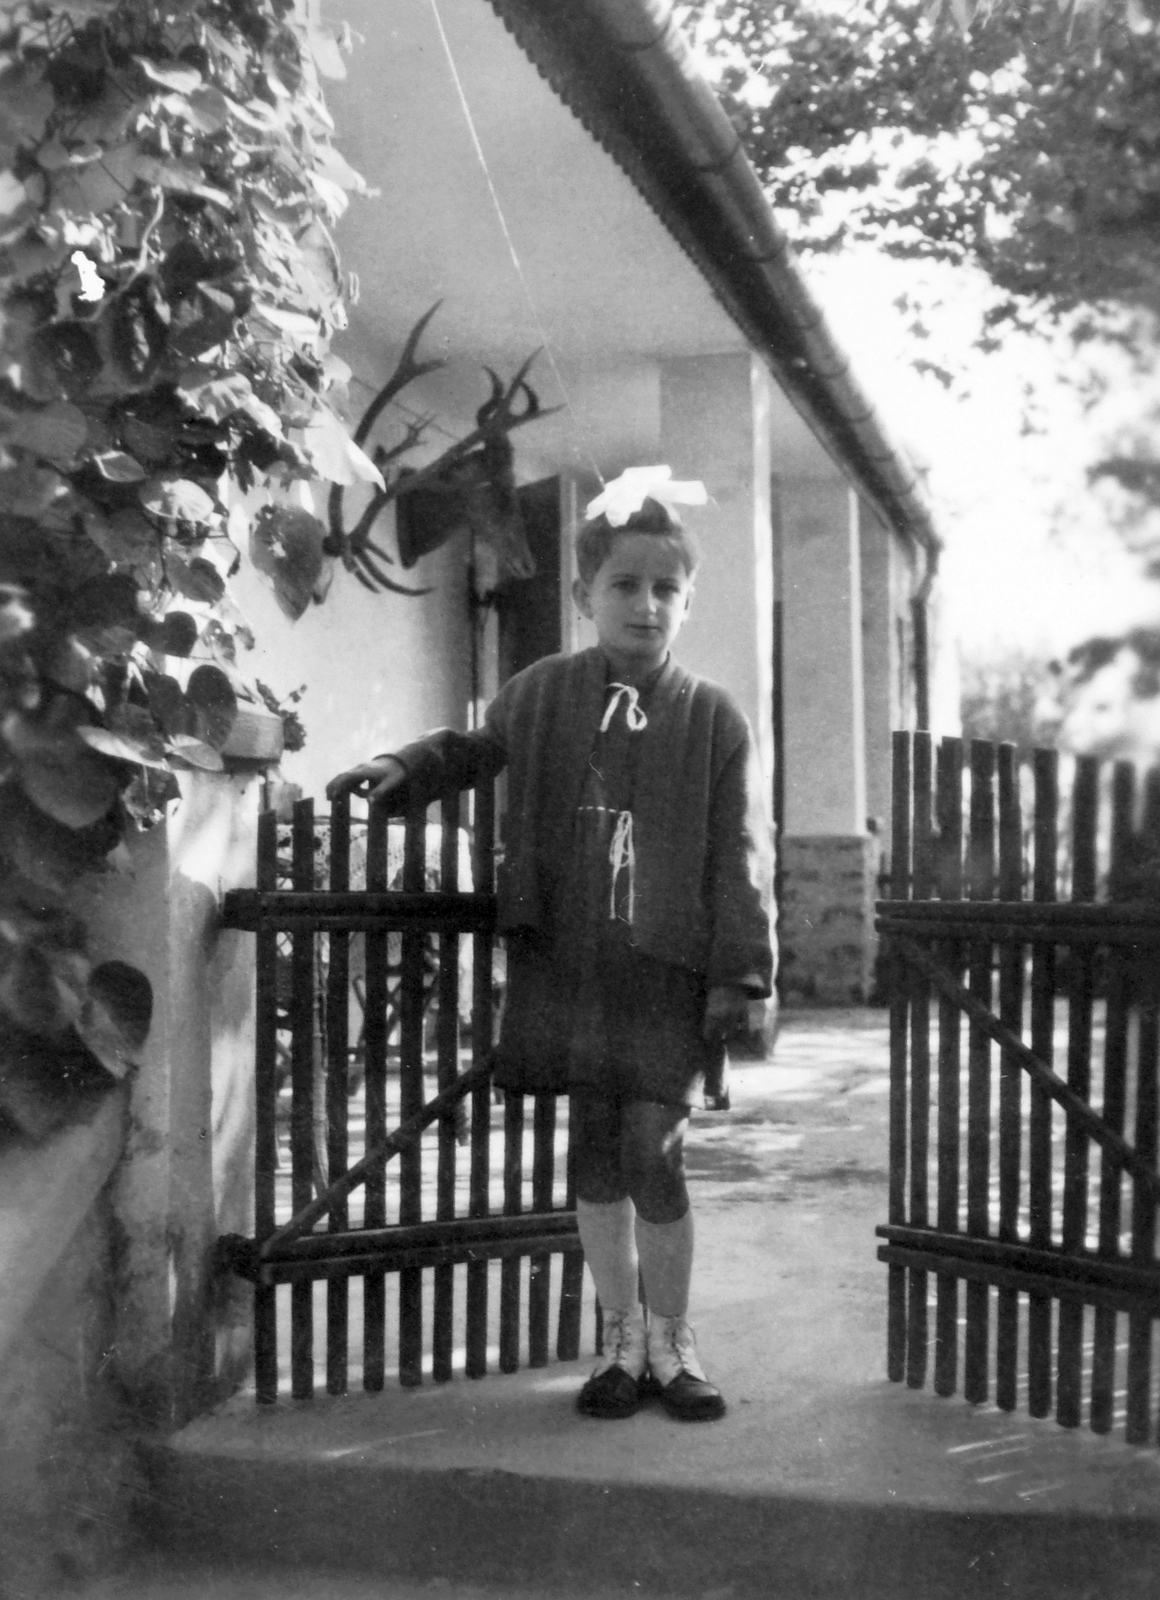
<point>471,485</point>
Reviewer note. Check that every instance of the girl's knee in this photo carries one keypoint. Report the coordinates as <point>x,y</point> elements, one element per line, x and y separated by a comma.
<point>653,1162</point>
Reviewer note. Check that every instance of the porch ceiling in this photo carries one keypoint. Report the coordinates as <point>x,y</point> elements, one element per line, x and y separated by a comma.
<point>604,283</point>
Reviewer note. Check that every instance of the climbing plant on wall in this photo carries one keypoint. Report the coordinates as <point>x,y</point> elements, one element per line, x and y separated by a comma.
<point>168,290</point>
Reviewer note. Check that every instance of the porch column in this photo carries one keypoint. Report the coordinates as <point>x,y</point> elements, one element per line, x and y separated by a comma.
<point>714,425</point>
<point>829,857</point>
<point>181,1338</point>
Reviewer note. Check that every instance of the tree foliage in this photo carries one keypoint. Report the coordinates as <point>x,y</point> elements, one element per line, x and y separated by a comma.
<point>1027,144</point>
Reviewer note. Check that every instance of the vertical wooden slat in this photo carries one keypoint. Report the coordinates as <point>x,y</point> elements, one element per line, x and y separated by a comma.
<point>981,886</point>
<point>375,1029</point>
<point>412,1007</point>
<point>922,883</point>
<point>1085,800</point>
<point>447,1057</point>
<point>1039,1150</point>
<point>1010,1073</point>
<point>1112,1110</point>
<point>949,870</point>
<point>302,1101</point>
<point>1139,1424</point>
<point>571,1274</point>
<point>266,1112</point>
<point>899,1014</point>
<point>337,1061</point>
<point>539,1276</point>
<point>479,1203</point>
<point>511,1266</point>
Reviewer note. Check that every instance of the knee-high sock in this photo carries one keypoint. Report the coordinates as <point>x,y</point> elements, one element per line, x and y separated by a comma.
<point>666,1264</point>
<point>610,1251</point>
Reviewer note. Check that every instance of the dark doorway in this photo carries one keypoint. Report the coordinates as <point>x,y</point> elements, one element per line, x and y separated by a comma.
<point>529,609</point>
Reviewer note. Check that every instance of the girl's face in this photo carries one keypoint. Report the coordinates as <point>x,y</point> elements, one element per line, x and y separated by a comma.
<point>638,601</point>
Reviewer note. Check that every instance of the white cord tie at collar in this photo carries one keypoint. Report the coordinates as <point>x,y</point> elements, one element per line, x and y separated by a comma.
<point>633,715</point>
<point>622,856</point>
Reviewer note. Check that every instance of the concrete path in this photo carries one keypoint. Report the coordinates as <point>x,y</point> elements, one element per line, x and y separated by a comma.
<point>823,1480</point>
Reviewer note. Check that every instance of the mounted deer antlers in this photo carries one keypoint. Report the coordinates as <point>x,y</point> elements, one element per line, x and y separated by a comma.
<point>472,484</point>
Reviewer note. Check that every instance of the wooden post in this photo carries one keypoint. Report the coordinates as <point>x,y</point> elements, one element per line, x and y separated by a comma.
<point>899,1016</point>
<point>266,1111</point>
<point>921,889</point>
<point>949,866</point>
<point>1010,1073</point>
<point>981,886</point>
<point>337,1097</point>
<point>1039,1146</point>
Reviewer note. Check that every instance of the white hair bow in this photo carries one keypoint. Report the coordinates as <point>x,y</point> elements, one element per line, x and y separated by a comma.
<point>624,496</point>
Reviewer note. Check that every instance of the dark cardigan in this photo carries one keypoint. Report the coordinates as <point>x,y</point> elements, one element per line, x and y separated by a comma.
<point>703,856</point>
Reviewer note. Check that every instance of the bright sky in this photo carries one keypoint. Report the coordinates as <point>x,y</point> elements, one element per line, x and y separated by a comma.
<point>1031,559</point>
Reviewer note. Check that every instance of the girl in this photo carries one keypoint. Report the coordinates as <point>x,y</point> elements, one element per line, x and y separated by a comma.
<point>633,898</point>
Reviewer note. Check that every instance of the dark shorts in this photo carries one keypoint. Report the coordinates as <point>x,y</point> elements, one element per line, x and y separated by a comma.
<point>628,1028</point>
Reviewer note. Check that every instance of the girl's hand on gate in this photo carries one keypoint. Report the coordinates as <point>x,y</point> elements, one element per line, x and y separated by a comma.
<point>727,1012</point>
<point>374,780</point>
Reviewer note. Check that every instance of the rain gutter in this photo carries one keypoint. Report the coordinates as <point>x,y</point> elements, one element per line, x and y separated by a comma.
<point>624,69</point>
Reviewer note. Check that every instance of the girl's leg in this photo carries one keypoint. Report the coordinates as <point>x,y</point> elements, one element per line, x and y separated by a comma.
<point>605,1216</point>
<point>652,1158</point>
<point>603,1208</point>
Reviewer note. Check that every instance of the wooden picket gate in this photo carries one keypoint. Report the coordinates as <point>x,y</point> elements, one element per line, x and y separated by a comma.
<point>1034,1186</point>
<point>336,938</point>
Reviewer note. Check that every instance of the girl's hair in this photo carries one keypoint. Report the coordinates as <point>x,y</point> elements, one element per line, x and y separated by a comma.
<point>595,539</point>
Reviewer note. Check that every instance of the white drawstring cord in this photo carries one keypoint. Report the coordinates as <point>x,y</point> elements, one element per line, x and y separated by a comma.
<point>622,854</point>
<point>633,714</point>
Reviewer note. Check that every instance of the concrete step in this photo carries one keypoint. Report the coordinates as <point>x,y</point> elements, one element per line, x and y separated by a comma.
<point>823,1482</point>
<point>500,1483</point>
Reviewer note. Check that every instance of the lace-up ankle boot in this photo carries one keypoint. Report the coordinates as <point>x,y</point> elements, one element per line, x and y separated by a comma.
<point>677,1375</point>
<point>612,1390</point>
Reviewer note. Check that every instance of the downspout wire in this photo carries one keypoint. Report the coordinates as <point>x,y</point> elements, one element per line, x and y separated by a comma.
<point>512,251</point>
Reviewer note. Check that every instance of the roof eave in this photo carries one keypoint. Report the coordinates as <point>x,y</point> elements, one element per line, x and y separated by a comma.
<point>624,69</point>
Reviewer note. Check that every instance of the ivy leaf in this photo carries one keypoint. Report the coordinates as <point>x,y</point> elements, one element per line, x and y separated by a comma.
<point>58,772</point>
<point>336,169</point>
<point>167,699</point>
<point>183,79</point>
<point>33,994</point>
<point>28,491</point>
<point>149,793</point>
<point>15,617</point>
<point>126,537</point>
<point>115,1015</point>
<point>152,442</point>
<point>286,545</point>
<point>139,329</point>
<point>333,453</point>
<point>130,736</point>
<point>195,753</point>
<point>174,634</point>
<point>177,500</point>
<point>118,467</point>
<point>195,578</point>
<point>109,601</point>
<point>217,398</point>
<point>327,55</point>
<point>62,362</point>
<point>201,320</point>
<point>214,705</point>
<point>56,434</point>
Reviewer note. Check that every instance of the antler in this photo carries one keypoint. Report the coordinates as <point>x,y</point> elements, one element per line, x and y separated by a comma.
<point>353,547</point>
<point>495,419</point>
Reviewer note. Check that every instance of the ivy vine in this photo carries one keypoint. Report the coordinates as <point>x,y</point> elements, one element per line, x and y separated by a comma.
<point>168,291</point>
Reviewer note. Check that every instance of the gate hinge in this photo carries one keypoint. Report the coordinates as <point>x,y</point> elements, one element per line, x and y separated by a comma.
<point>235,1253</point>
